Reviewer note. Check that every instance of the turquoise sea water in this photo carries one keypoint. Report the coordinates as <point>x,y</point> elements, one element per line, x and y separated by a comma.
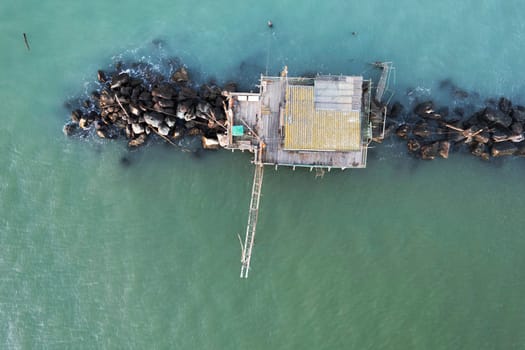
<point>401,255</point>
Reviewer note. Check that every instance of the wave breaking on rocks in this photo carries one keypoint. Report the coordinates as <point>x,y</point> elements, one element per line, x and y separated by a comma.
<point>137,102</point>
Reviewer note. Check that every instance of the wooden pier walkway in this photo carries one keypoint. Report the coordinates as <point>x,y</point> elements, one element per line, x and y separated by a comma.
<point>252,220</point>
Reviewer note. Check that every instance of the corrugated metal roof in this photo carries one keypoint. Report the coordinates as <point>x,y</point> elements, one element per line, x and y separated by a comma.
<point>338,93</point>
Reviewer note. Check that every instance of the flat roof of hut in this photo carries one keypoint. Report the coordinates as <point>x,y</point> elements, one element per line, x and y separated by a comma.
<point>317,122</point>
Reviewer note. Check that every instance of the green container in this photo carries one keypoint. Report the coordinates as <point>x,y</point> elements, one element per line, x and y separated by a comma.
<point>237,130</point>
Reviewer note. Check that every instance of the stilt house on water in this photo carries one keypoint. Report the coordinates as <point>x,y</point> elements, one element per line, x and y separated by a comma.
<point>323,122</point>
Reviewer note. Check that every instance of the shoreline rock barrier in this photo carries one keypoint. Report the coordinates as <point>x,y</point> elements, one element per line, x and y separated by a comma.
<point>137,107</point>
<point>494,130</point>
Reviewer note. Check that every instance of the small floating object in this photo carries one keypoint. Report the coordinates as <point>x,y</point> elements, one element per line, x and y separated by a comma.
<point>26,42</point>
<point>270,24</point>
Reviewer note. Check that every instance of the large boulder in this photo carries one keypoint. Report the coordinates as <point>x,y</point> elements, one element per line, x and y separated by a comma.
<point>184,111</point>
<point>395,110</point>
<point>422,129</point>
<point>518,114</point>
<point>505,105</point>
<point>70,129</point>
<point>413,145</point>
<point>106,98</point>
<point>429,151</point>
<point>170,121</point>
<point>440,113</point>
<point>475,120</point>
<point>521,149</point>
<point>194,132</point>
<point>126,91</point>
<point>444,149</point>
<point>153,119</point>
<point>76,115</point>
<point>181,76</point>
<point>119,80</point>
<point>102,133</point>
<point>135,110</point>
<point>83,123</point>
<point>403,131</point>
<point>516,128</point>
<point>166,103</point>
<point>164,92</point>
<point>137,141</point>
<point>477,149</point>
<point>495,117</point>
<point>424,109</point>
<point>145,96</point>
<point>163,129</point>
<point>186,93</point>
<point>137,128</point>
<point>504,149</point>
<point>101,76</point>
<point>135,82</point>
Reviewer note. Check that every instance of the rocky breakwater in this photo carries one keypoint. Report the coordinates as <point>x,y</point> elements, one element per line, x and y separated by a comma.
<point>135,107</point>
<point>495,130</point>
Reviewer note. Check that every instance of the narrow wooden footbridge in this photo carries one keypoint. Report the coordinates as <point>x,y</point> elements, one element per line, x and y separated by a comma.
<point>252,220</point>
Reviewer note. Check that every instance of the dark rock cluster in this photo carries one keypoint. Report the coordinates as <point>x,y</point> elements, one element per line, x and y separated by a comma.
<point>138,106</point>
<point>495,130</point>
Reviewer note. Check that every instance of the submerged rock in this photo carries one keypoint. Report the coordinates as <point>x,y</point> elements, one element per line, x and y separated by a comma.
<point>422,129</point>
<point>413,145</point>
<point>505,105</point>
<point>478,149</point>
<point>444,149</point>
<point>137,141</point>
<point>396,110</point>
<point>403,131</point>
<point>70,129</point>
<point>460,94</point>
<point>429,151</point>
